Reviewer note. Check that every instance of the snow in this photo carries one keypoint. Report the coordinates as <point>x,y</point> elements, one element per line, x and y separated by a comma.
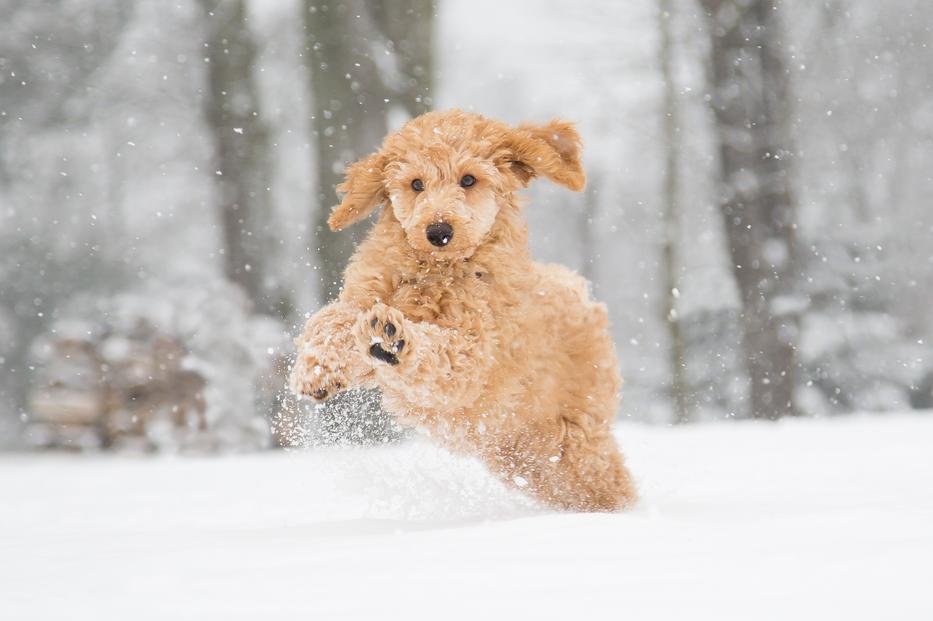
<point>816,519</point>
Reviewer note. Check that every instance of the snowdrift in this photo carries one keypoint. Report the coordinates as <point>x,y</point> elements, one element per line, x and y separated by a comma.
<point>801,519</point>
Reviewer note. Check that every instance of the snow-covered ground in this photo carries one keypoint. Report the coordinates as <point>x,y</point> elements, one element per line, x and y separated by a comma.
<point>814,519</point>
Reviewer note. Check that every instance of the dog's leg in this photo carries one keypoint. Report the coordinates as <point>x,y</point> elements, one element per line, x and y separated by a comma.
<point>588,474</point>
<point>562,464</point>
<point>328,360</point>
<point>421,363</point>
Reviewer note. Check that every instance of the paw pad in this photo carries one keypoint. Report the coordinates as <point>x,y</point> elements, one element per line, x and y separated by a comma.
<point>381,344</point>
<point>377,352</point>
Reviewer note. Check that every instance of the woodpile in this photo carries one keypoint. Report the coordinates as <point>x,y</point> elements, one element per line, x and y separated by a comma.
<point>100,387</point>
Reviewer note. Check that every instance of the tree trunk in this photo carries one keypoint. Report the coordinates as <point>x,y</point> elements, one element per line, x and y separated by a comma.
<point>241,155</point>
<point>351,99</point>
<point>589,252</point>
<point>352,93</point>
<point>408,27</point>
<point>750,104</point>
<point>671,234</point>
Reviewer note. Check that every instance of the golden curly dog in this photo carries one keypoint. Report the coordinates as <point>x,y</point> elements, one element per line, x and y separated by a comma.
<point>468,338</point>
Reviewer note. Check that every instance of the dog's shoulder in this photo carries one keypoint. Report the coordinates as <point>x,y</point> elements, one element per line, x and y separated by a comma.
<point>560,279</point>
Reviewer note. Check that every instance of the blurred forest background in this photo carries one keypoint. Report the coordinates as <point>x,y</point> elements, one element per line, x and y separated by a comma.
<point>757,217</point>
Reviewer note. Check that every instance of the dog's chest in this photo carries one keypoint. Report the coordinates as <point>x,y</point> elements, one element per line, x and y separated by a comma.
<point>430,296</point>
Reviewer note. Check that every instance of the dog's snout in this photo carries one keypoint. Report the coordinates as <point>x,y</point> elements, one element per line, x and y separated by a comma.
<point>439,234</point>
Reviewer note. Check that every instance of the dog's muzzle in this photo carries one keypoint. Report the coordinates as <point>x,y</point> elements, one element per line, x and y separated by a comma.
<point>439,234</point>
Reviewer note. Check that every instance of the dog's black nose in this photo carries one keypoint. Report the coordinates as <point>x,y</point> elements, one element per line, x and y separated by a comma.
<point>439,233</point>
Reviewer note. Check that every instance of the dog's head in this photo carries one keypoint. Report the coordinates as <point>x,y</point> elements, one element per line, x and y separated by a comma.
<point>446,175</point>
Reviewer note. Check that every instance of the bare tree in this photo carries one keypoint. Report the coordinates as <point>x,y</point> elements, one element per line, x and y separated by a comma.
<point>671,232</point>
<point>750,102</point>
<point>355,79</point>
<point>365,58</point>
<point>241,152</point>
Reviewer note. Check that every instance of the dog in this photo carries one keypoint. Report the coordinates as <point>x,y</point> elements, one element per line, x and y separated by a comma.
<point>444,310</point>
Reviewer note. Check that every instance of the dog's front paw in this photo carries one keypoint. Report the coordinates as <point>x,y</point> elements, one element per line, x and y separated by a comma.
<point>381,333</point>
<point>312,377</point>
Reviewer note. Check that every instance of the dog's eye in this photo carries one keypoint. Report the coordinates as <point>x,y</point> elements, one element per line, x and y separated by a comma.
<point>417,185</point>
<point>467,181</point>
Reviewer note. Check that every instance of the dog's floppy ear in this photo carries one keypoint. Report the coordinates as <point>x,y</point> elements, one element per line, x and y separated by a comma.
<point>363,190</point>
<point>551,150</point>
